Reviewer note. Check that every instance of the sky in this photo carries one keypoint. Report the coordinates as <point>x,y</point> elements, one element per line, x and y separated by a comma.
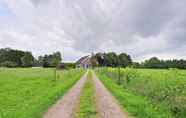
<point>141,28</point>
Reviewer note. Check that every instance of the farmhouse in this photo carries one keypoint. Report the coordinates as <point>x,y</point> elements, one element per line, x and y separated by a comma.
<point>84,62</point>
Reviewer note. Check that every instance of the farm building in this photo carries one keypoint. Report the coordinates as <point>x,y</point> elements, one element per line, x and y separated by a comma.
<point>84,62</point>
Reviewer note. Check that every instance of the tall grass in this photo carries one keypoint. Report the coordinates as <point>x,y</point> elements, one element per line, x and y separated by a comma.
<point>165,88</point>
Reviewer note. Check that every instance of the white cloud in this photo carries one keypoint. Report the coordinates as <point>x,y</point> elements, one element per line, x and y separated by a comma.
<point>76,27</point>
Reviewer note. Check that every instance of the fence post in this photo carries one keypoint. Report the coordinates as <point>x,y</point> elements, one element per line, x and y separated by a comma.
<point>119,75</point>
<point>55,74</point>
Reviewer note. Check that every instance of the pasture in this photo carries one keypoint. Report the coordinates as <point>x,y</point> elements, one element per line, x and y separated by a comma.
<point>142,93</point>
<point>27,93</point>
<point>148,92</point>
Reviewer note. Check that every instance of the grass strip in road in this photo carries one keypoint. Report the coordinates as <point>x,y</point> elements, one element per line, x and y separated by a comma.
<point>87,106</point>
<point>135,105</point>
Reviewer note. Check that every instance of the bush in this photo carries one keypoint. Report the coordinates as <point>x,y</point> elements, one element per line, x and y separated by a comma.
<point>8,64</point>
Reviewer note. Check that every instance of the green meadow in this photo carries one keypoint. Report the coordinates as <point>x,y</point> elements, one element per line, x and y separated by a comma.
<point>28,93</point>
<point>148,93</point>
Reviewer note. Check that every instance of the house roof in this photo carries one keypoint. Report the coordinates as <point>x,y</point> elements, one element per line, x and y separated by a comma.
<point>83,59</point>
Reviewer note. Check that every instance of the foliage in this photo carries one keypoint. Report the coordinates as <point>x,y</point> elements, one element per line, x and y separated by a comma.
<point>27,60</point>
<point>8,64</point>
<point>100,59</point>
<point>93,61</point>
<point>51,60</point>
<point>27,93</point>
<point>15,58</point>
<point>124,60</point>
<point>66,66</point>
<point>160,87</point>
<point>154,62</point>
<point>136,105</point>
<point>111,59</point>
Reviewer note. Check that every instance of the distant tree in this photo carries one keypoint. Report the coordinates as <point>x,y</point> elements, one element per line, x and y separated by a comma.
<point>100,59</point>
<point>136,65</point>
<point>46,61</point>
<point>11,56</point>
<point>111,59</point>
<point>8,64</point>
<point>40,60</point>
<point>124,60</point>
<point>55,59</point>
<point>93,61</point>
<point>153,62</point>
<point>27,60</point>
<point>51,60</point>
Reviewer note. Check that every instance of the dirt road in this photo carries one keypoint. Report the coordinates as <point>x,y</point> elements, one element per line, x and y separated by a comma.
<point>64,108</point>
<point>106,104</point>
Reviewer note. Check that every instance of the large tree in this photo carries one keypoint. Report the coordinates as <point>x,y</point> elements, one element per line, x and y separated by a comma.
<point>154,62</point>
<point>51,60</point>
<point>124,60</point>
<point>11,57</point>
<point>27,59</point>
<point>111,59</point>
<point>56,59</point>
<point>100,58</point>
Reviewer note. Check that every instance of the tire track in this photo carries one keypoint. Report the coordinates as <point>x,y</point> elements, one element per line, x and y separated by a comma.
<point>106,104</point>
<point>65,107</point>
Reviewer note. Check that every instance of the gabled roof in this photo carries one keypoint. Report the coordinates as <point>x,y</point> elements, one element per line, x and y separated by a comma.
<point>83,59</point>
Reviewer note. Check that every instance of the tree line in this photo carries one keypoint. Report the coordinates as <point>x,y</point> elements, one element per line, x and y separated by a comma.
<point>111,59</point>
<point>154,62</point>
<point>17,58</point>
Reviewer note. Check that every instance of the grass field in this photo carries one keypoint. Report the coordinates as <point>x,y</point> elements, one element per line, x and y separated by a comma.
<point>87,105</point>
<point>27,93</point>
<point>148,93</point>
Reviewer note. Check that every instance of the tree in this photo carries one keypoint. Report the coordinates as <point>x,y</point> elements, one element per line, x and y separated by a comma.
<point>46,61</point>
<point>124,60</point>
<point>55,59</point>
<point>8,64</point>
<point>111,59</point>
<point>94,61</point>
<point>13,57</point>
<point>51,60</point>
<point>27,59</point>
<point>136,65</point>
<point>40,60</point>
<point>154,62</point>
<point>100,59</point>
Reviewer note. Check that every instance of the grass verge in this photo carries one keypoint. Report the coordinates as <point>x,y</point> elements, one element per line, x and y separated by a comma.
<point>87,106</point>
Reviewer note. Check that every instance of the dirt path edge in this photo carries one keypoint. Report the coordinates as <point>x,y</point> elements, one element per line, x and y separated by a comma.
<point>64,108</point>
<point>107,105</point>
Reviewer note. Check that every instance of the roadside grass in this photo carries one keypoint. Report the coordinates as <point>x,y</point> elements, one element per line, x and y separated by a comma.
<point>28,93</point>
<point>162,87</point>
<point>136,105</point>
<point>87,105</point>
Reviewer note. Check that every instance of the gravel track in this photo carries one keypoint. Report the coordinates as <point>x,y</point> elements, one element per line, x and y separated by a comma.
<point>65,107</point>
<point>106,104</point>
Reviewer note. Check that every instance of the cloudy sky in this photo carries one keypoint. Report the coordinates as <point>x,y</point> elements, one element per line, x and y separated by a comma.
<point>142,28</point>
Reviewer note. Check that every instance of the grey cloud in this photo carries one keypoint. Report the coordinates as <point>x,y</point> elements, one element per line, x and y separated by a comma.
<point>38,2</point>
<point>87,26</point>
